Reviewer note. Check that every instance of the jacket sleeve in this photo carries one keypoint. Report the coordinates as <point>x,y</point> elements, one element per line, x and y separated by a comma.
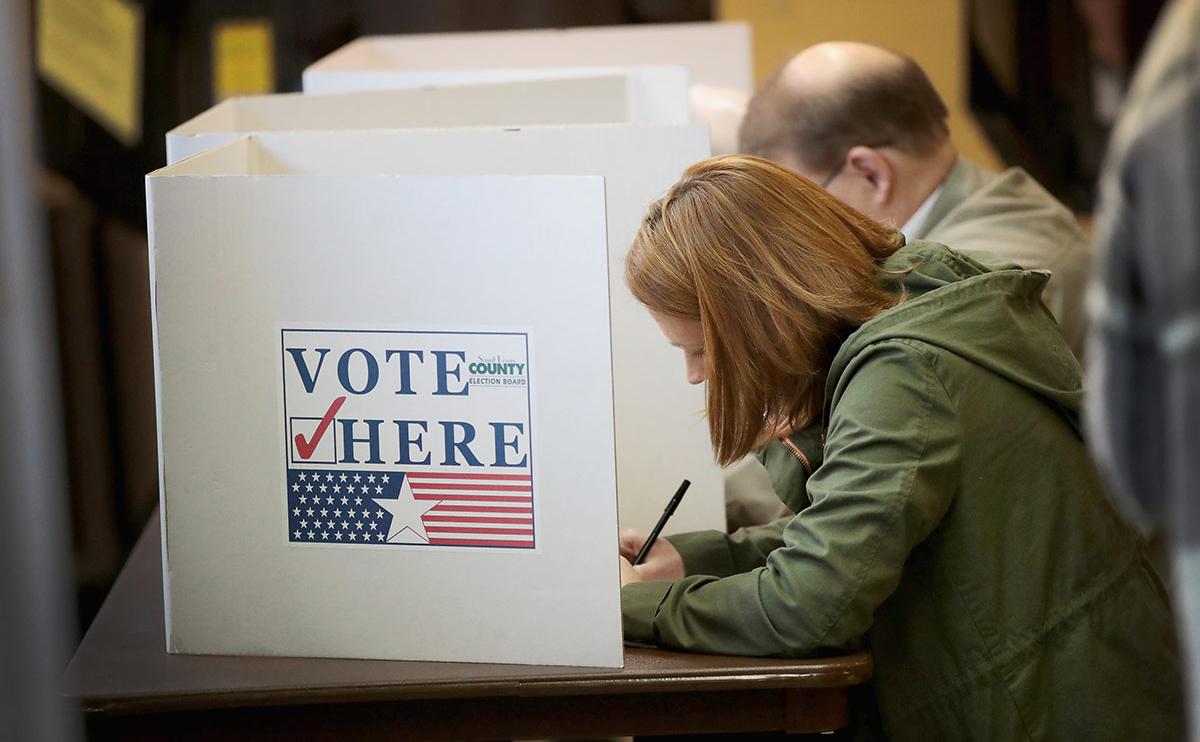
<point>723,554</point>
<point>890,470</point>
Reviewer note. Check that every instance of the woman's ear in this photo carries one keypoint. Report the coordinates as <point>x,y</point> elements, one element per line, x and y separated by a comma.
<point>876,175</point>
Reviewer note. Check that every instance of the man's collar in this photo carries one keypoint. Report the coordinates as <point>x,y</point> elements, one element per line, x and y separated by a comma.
<point>913,226</point>
<point>954,188</point>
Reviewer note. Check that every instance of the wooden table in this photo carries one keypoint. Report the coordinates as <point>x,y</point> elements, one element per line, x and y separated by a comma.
<point>132,689</point>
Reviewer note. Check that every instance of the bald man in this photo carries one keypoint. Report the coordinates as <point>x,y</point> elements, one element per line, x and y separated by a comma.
<point>866,124</point>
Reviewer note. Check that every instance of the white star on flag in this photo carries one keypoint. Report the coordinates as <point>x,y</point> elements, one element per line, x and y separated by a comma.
<point>406,516</point>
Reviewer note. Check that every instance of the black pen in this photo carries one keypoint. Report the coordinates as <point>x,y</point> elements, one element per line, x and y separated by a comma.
<point>668,511</point>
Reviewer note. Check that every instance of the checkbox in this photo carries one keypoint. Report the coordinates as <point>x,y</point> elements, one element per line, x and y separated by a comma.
<point>325,451</point>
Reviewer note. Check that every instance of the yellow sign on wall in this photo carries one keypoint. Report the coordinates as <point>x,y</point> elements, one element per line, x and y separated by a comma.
<point>91,52</point>
<point>243,52</point>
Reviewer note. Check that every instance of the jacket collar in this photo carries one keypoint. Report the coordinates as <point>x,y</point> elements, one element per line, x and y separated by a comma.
<point>962,180</point>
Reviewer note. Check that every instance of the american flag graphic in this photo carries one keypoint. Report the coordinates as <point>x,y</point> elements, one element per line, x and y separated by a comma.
<point>422,508</point>
<point>476,509</point>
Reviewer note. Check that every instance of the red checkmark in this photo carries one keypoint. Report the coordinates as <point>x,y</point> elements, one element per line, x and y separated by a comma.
<point>306,448</point>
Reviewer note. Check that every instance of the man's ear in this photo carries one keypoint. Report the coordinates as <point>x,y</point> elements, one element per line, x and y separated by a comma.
<point>873,167</point>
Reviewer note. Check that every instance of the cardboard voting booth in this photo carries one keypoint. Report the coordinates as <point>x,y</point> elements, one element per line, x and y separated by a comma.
<point>656,94</point>
<point>385,409</point>
<point>661,433</point>
<point>582,100</point>
<point>715,54</point>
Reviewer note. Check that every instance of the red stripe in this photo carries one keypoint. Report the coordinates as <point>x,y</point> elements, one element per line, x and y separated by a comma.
<point>495,487</point>
<point>450,475</point>
<point>497,531</point>
<point>473,498</point>
<point>477,519</point>
<point>479,509</point>
<point>455,497</point>
<point>450,494</point>
<point>477,542</point>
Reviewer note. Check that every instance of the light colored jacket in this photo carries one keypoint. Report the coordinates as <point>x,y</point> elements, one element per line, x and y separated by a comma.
<point>1013,218</point>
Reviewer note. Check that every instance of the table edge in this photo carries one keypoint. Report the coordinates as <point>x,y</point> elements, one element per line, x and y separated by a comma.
<point>852,670</point>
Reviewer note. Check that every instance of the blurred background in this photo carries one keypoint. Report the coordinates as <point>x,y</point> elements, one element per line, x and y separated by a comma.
<point>1034,83</point>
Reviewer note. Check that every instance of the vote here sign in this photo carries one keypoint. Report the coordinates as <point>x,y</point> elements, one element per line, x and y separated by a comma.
<point>407,438</point>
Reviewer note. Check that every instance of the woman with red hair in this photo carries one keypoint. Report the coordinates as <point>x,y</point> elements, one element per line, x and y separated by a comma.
<point>920,414</point>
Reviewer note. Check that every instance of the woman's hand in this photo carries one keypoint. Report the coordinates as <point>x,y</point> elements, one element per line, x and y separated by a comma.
<point>628,572</point>
<point>662,563</point>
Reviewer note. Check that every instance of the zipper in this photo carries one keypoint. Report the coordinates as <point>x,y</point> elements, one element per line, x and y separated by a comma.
<point>798,454</point>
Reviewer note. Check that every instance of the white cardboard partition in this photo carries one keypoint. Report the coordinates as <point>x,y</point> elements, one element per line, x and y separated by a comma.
<point>581,100</point>
<point>662,436</point>
<point>372,390</point>
<point>656,94</point>
<point>716,54</point>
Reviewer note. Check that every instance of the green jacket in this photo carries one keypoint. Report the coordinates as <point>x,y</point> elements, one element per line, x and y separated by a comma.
<point>953,521</point>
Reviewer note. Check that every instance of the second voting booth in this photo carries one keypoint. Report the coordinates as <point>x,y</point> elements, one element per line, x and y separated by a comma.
<point>591,98</point>
<point>583,100</point>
